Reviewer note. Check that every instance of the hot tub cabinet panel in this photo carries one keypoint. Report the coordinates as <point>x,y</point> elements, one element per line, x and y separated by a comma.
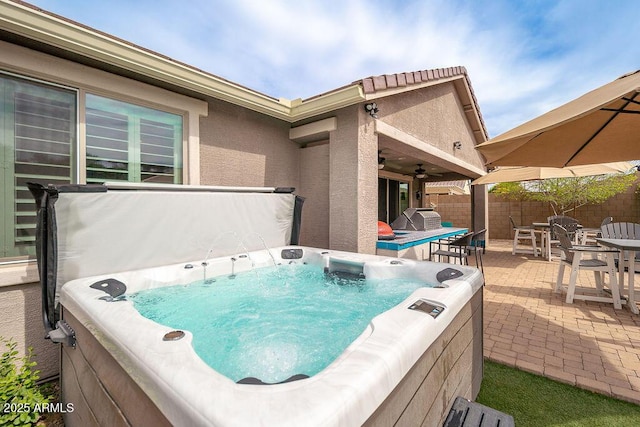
<point>452,366</point>
<point>102,392</point>
<point>405,369</point>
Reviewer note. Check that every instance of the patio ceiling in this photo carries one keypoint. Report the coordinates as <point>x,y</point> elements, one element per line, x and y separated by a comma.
<point>403,153</point>
<point>406,164</point>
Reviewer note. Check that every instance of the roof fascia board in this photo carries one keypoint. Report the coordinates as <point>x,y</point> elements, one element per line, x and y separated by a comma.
<point>474,115</point>
<point>327,102</point>
<point>314,128</point>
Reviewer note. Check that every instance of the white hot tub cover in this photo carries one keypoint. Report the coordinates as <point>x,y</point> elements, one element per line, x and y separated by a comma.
<point>88,230</point>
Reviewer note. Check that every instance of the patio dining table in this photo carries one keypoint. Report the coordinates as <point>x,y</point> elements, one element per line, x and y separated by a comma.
<point>632,246</point>
<point>545,242</point>
<point>545,248</point>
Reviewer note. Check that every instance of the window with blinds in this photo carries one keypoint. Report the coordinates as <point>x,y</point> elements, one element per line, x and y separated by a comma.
<point>127,142</point>
<point>38,128</point>
<point>39,143</point>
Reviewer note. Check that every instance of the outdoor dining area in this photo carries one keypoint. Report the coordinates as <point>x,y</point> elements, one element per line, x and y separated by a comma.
<point>612,249</point>
<point>528,325</point>
<point>582,329</point>
<point>536,318</point>
<point>574,140</point>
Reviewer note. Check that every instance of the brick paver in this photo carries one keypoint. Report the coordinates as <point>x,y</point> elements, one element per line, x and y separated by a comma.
<point>529,326</point>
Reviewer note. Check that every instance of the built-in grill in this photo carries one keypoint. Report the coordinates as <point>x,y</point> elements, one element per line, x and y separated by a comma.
<point>417,219</point>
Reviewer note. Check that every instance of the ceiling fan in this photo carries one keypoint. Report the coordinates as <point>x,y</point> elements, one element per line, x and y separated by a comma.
<point>420,173</point>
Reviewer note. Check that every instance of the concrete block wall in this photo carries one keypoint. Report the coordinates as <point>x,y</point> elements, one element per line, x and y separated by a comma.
<point>624,207</point>
<point>454,209</point>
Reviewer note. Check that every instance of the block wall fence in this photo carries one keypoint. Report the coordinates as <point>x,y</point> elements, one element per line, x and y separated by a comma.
<point>624,207</point>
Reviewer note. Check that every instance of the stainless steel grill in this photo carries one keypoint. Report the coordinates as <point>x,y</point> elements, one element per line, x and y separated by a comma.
<point>419,219</point>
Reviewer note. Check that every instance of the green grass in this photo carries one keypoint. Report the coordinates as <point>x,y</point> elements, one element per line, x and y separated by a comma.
<point>533,400</point>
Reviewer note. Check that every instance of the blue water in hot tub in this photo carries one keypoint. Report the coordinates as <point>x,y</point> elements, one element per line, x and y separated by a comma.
<point>274,322</point>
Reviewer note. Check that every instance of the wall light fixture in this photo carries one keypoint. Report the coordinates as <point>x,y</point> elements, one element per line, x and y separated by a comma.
<point>372,109</point>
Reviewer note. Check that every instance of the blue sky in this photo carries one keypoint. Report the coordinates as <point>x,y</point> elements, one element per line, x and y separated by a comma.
<point>523,57</point>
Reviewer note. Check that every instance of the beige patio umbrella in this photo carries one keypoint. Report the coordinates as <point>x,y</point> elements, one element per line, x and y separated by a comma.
<point>528,173</point>
<point>600,126</point>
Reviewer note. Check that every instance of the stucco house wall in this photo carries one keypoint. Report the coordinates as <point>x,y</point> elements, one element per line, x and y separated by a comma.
<point>240,147</point>
<point>22,319</point>
<point>343,182</point>
<point>434,114</point>
<point>314,187</point>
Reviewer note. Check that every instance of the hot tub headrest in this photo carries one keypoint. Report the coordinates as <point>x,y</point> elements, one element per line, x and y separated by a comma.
<point>257,381</point>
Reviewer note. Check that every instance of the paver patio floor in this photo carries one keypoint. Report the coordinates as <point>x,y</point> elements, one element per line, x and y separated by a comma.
<point>529,326</point>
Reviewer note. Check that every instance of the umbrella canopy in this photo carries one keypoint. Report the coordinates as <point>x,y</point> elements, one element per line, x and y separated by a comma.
<point>527,173</point>
<point>600,126</point>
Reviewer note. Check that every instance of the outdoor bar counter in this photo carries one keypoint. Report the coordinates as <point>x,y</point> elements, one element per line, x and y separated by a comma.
<point>414,244</point>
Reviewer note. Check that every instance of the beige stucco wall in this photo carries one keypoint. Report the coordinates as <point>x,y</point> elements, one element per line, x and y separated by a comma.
<point>240,147</point>
<point>343,178</point>
<point>367,185</point>
<point>314,187</point>
<point>435,115</point>
<point>353,183</point>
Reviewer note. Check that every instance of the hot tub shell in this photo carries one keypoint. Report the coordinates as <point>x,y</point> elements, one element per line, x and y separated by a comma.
<point>407,367</point>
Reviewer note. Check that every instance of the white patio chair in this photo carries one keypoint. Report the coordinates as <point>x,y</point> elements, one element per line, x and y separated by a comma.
<point>569,224</point>
<point>573,256</point>
<point>525,233</point>
<point>588,236</point>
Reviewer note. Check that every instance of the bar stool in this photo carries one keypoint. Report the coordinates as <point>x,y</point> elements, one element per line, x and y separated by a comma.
<point>456,249</point>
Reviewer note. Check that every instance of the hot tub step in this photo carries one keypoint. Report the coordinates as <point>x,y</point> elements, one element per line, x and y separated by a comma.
<point>465,413</point>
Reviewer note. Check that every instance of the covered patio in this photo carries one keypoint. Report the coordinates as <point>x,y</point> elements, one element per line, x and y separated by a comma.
<point>526,325</point>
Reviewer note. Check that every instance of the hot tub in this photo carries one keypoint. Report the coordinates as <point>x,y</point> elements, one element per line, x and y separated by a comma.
<point>119,368</point>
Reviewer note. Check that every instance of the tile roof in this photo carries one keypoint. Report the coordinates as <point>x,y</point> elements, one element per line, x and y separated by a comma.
<point>390,81</point>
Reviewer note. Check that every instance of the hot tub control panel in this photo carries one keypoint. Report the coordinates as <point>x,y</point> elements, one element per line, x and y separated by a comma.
<point>432,309</point>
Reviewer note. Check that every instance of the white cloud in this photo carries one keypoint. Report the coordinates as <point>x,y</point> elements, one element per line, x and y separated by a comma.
<point>523,58</point>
